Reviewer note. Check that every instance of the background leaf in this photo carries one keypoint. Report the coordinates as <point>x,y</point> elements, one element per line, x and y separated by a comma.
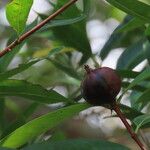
<point>113,41</point>
<point>75,34</point>
<point>29,91</point>
<point>6,59</point>
<point>120,39</point>
<point>67,69</point>
<point>2,148</point>
<point>2,112</point>
<point>77,144</point>
<point>143,76</point>
<point>22,119</point>
<point>142,121</point>
<point>40,125</point>
<point>132,24</point>
<point>132,56</point>
<point>63,22</point>
<point>19,69</point>
<point>129,112</point>
<point>18,9</point>
<point>127,73</point>
<point>146,49</point>
<point>135,8</point>
<point>144,97</point>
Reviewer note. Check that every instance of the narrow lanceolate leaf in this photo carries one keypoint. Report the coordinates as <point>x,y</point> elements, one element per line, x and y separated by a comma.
<point>21,120</point>
<point>40,125</point>
<point>142,121</point>
<point>143,76</point>
<point>127,73</point>
<point>17,13</point>
<point>77,144</point>
<point>29,91</point>
<point>19,69</point>
<point>132,24</point>
<point>129,112</point>
<point>145,97</point>
<point>135,8</point>
<point>115,40</point>
<point>139,88</point>
<point>63,22</point>
<point>132,56</point>
<point>75,34</point>
<point>67,69</point>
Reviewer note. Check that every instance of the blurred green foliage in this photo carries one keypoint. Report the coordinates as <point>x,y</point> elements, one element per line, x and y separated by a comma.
<point>54,56</point>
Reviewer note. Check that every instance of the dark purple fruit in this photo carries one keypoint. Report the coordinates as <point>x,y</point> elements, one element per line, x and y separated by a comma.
<point>100,86</point>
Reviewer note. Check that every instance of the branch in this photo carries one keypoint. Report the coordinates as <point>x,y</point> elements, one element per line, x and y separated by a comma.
<point>34,29</point>
<point>128,127</point>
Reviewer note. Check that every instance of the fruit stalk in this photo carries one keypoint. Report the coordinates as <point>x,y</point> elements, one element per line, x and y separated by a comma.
<point>128,127</point>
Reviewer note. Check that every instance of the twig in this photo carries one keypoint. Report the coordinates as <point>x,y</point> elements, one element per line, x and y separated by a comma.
<point>34,29</point>
<point>128,127</point>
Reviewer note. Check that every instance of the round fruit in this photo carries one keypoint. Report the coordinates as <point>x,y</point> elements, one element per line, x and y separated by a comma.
<point>100,86</point>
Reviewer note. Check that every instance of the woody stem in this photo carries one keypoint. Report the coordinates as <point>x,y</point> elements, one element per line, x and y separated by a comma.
<point>128,127</point>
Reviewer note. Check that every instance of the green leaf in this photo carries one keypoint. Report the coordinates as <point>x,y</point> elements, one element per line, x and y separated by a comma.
<point>22,119</point>
<point>77,144</point>
<point>147,31</point>
<point>19,69</point>
<point>132,56</point>
<point>113,42</point>
<point>2,148</point>
<point>29,91</point>
<point>40,125</point>
<point>2,114</point>
<point>133,100</point>
<point>6,59</point>
<point>63,22</point>
<point>129,112</point>
<point>135,8</point>
<point>142,121</point>
<point>75,34</point>
<point>31,26</point>
<point>55,51</point>
<point>68,70</point>
<point>132,24</point>
<point>127,73</point>
<point>118,39</point>
<point>144,97</point>
<point>58,135</point>
<point>18,9</point>
<point>135,88</point>
<point>143,76</point>
<point>146,50</point>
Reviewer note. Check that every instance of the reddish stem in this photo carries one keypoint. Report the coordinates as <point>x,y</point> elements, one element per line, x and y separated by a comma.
<point>34,29</point>
<point>128,127</point>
